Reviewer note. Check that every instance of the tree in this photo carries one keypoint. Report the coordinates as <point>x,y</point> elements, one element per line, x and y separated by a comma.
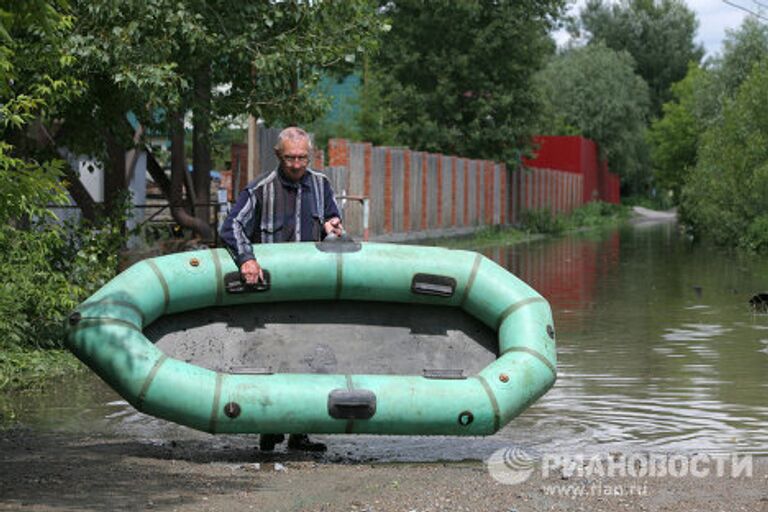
<point>743,48</point>
<point>726,198</point>
<point>657,33</point>
<point>698,103</point>
<point>456,76</point>
<point>36,77</point>
<point>674,138</point>
<point>42,274</point>
<point>595,92</point>
<point>31,82</point>
<point>163,59</point>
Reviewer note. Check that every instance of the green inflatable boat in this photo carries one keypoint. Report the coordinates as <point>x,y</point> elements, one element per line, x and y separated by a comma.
<point>106,333</point>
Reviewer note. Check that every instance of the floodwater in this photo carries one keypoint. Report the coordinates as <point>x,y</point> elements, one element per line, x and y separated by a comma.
<point>659,351</point>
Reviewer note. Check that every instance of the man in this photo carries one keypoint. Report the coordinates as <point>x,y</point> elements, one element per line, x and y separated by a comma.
<point>292,203</point>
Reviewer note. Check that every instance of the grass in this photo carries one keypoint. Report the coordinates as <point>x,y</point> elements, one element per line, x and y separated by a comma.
<point>25,369</point>
<point>492,235</point>
<point>541,222</point>
<point>597,214</point>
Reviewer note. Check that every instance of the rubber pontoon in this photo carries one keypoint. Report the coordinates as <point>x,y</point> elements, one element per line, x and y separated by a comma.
<point>105,332</point>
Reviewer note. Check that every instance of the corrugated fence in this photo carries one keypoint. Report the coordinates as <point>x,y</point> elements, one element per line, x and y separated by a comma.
<point>413,191</point>
<point>417,193</point>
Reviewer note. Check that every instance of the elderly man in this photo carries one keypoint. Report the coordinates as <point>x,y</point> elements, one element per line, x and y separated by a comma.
<point>292,203</point>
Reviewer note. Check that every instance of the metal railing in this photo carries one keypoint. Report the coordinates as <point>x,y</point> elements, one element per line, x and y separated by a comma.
<point>365,201</point>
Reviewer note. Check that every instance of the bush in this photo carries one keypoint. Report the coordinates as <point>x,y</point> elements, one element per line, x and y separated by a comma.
<point>595,213</point>
<point>542,221</point>
<point>45,272</point>
<point>589,215</point>
<point>46,267</point>
<point>31,369</point>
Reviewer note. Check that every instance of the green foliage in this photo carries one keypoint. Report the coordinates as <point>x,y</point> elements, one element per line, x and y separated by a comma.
<point>375,118</point>
<point>595,90</point>
<point>69,73</point>
<point>590,215</point>
<point>542,221</point>
<point>698,104</point>
<point>26,187</point>
<point>674,138</point>
<point>659,34</point>
<point>100,60</point>
<point>35,73</point>
<point>455,77</point>
<point>742,49</point>
<point>596,214</point>
<point>46,269</point>
<point>726,198</point>
<point>29,369</point>
<point>370,119</point>
<point>149,52</point>
<point>38,278</point>
<point>487,236</point>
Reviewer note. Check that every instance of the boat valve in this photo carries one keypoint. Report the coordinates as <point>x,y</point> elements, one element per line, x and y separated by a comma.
<point>232,410</point>
<point>74,318</point>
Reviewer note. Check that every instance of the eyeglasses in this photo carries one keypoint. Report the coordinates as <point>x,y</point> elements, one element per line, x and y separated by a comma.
<point>292,159</point>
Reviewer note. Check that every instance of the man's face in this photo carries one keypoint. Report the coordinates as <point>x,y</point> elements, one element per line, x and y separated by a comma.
<point>295,158</point>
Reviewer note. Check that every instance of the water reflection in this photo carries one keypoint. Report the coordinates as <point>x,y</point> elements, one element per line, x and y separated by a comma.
<point>658,351</point>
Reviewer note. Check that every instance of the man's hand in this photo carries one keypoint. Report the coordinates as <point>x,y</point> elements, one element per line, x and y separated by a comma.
<point>333,227</point>
<point>251,272</point>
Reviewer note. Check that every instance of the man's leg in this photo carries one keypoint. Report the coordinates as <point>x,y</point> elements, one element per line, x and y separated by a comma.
<point>267,442</point>
<point>302,442</point>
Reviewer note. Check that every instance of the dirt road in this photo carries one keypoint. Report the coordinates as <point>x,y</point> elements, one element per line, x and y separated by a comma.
<point>46,472</point>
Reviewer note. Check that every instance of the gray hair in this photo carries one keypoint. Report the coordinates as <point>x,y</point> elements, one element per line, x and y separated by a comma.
<point>292,133</point>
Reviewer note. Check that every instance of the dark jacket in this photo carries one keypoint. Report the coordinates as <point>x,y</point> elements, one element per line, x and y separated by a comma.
<point>274,209</point>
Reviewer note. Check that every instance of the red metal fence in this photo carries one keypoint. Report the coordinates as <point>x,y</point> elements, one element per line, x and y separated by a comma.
<point>580,156</point>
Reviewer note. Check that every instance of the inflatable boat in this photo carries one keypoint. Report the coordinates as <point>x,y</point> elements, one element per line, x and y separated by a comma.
<point>106,332</point>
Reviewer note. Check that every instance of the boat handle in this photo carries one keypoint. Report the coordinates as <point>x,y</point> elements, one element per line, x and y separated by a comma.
<point>234,283</point>
<point>432,284</point>
<point>351,404</point>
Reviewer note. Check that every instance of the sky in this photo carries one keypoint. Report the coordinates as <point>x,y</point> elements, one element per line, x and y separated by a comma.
<point>715,16</point>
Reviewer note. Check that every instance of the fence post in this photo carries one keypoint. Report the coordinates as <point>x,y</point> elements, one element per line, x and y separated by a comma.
<point>424,194</point>
<point>406,190</point>
<point>388,191</point>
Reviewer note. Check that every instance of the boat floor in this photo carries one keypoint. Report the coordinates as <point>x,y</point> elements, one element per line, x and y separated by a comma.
<point>343,337</point>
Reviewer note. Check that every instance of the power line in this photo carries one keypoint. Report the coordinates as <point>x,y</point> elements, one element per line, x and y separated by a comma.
<point>750,11</point>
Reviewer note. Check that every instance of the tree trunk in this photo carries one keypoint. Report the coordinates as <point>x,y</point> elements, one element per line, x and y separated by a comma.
<point>80,195</point>
<point>158,175</point>
<point>201,143</point>
<point>115,183</point>
<point>178,170</point>
<point>45,138</point>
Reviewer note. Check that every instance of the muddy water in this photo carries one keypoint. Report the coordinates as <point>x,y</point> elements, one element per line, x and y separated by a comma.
<point>658,351</point>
